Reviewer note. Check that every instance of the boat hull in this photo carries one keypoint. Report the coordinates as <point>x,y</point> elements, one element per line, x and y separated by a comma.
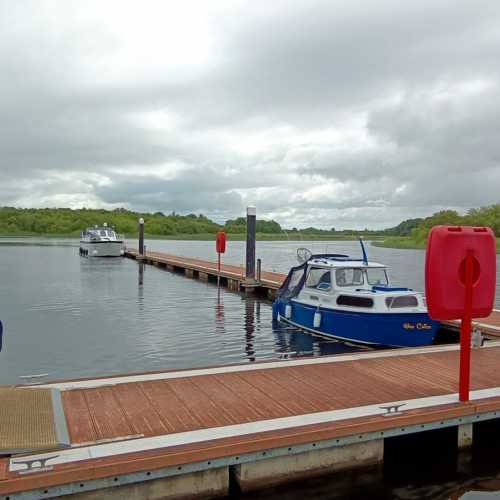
<point>384,329</point>
<point>101,248</point>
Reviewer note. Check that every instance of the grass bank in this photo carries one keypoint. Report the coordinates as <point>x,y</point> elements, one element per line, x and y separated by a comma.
<point>291,236</point>
<point>405,242</point>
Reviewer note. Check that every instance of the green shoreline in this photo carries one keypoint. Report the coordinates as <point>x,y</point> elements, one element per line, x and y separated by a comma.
<point>399,242</point>
<point>407,243</point>
<point>211,237</point>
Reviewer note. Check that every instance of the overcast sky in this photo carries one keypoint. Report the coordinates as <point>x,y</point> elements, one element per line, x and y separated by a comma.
<point>327,113</point>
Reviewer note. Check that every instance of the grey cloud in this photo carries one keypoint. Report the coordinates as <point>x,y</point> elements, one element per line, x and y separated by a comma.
<point>287,72</point>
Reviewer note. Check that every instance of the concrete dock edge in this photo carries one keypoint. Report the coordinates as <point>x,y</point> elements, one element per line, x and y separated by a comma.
<point>278,470</point>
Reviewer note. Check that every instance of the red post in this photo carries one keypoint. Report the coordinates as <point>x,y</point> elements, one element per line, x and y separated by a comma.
<point>465,329</point>
<point>218,269</point>
<point>220,247</point>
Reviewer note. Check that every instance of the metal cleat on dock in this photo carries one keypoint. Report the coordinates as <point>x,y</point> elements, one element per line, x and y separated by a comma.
<point>31,468</point>
<point>392,410</point>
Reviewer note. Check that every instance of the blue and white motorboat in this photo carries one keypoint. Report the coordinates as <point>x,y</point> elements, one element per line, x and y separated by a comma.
<point>351,299</point>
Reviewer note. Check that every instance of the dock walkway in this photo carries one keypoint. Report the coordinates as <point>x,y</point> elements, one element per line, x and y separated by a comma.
<point>233,276</point>
<point>254,421</point>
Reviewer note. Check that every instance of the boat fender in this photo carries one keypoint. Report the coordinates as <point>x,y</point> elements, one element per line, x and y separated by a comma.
<point>275,310</point>
<point>288,311</point>
<point>317,319</point>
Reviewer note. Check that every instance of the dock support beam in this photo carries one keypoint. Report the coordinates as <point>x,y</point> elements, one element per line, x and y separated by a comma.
<point>273,471</point>
<point>251,235</point>
<point>141,237</point>
<point>212,483</point>
<point>465,434</point>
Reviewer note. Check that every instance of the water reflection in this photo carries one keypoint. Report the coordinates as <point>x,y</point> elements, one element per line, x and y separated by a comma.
<point>435,476</point>
<point>220,328</point>
<point>249,326</point>
<point>292,341</point>
<point>140,270</point>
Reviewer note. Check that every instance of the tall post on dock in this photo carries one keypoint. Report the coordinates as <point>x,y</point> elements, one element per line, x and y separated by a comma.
<point>251,235</point>
<point>141,237</point>
<point>220,247</point>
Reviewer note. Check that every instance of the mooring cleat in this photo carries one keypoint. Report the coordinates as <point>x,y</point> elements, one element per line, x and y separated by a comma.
<point>31,468</point>
<point>392,410</point>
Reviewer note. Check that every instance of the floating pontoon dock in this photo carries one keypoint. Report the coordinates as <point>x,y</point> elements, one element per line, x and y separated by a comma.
<point>165,434</point>
<point>232,276</point>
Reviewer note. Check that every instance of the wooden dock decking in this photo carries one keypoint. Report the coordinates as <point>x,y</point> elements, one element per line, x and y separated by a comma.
<point>138,428</point>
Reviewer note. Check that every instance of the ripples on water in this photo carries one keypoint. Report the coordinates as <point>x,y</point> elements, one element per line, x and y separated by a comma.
<point>74,317</point>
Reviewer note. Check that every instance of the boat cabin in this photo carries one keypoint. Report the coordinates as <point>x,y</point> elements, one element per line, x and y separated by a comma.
<point>97,233</point>
<point>349,284</point>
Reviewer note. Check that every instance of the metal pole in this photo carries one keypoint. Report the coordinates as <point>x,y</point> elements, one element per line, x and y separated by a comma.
<point>218,270</point>
<point>141,236</point>
<point>251,230</point>
<point>259,269</point>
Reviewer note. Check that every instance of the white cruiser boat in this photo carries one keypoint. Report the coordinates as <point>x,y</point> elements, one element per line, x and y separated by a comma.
<point>101,241</point>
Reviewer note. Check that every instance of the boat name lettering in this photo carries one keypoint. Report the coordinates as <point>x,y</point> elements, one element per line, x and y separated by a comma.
<point>418,326</point>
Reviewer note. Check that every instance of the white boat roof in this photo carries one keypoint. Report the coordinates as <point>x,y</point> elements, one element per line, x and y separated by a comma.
<point>338,263</point>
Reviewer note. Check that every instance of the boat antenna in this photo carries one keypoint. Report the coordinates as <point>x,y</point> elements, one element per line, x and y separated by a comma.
<point>365,258</point>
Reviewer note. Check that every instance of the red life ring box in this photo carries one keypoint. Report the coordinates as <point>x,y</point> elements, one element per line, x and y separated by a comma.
<point>447,247</point>
<point>220,242</point>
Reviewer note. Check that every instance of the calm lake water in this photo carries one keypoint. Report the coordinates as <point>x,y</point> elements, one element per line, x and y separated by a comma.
<point>73,317</point>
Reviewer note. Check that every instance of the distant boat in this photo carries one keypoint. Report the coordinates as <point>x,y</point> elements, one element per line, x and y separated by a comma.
<point>350,299</point>
<point>101,241</point>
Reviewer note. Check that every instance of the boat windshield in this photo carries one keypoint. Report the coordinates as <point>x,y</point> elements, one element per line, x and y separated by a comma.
<point>349,276</point>
<point>377,276</point>
<point>319,278</point>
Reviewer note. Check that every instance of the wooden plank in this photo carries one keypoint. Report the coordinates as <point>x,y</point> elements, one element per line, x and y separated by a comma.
<point>107,415</point>
<point>4,468</point>
<point>80,424</point>
<point>255,397</point>
<point>199,404</point>
<point>173,413</point>
<point>139,411</point>
<point>234,405</point>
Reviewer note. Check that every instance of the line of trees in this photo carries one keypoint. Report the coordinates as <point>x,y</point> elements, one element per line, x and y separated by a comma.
<point>19,221</point>
<point>417,229</point>
<point>67,221</point>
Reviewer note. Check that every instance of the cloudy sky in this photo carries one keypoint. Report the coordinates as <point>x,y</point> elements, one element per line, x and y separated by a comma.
<point>329,113</point>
